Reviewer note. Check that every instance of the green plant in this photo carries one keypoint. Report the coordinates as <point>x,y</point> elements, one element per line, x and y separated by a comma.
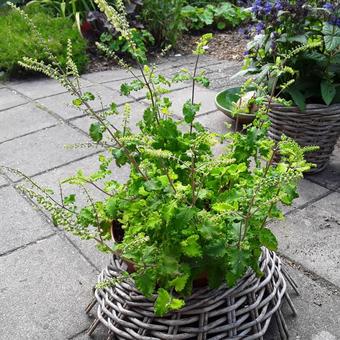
<point>163,20</point>
<point>18,40</point>
<point>183,212</point>
<point>142,39</point>
<point>222,16</point>
<point>304,36</point>
<point>73,9</point>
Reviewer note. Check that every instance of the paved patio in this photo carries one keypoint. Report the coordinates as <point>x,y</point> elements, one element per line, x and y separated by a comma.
<point>46,276</point>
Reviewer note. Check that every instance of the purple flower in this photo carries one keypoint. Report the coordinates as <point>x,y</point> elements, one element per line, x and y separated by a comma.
<point>257,6</point>
<point>259,27</point>
<point>245,53</point>
<point>328,6</point>
<point>267,8</point>
<point>278,5</point>
<point>334,21</point>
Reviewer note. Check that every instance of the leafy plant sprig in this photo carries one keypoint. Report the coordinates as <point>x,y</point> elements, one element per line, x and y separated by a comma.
<point>184,213</point>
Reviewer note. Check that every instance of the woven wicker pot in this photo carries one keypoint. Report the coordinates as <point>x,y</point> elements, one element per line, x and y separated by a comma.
<point>241,312</point>
<point>318,125</point>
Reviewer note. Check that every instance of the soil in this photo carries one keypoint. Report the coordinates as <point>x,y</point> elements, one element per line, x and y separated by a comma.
<point>223,46</point>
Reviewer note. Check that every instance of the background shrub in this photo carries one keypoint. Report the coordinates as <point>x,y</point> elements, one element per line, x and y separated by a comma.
<point>163,20</point>
<point>18,41</point>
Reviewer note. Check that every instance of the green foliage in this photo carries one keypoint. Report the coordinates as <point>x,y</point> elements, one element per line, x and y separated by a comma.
<point>163,20</point>
<point>221,16</point>
<point>18,41</point>
<point>184,212</point>
<point>298,46</point>
<point>75,10</point>
<point>141,38</point>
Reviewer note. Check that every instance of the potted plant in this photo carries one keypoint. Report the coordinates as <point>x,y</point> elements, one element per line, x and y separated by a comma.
<point>297,44</point>
<point>185,219</point>
<point>240,103</point>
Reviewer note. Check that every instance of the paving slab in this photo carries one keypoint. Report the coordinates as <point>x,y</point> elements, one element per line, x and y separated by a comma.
<point>105,96</point>
<point>216,121</point>
<point>137,110</point>
<point>43,150</point>
<point>308,191</point>
<point>44,289</point>
<point>9,98</point>
<point>202,95</point>
<point>318,311</point>
<point>23,119</point>
<point>141,94</point>
<point>39,88</point>
<point>3,181</point>
<point>311,236</point>
<point>61,104</point>
<point>20,223</point>
<point>109,75</point>
<point>88,165</point>
<point>330,177</point>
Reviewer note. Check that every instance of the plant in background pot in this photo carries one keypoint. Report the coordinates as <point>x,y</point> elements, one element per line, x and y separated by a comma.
<point>185,218</point>
<point>298,43</point>
<point>241,103</point>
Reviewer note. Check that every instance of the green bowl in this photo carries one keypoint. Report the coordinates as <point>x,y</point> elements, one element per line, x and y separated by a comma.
<point>224,101</point>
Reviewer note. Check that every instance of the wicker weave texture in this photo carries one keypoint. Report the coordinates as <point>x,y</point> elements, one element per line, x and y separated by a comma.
<point>242,312</point>
<point>318,125</point>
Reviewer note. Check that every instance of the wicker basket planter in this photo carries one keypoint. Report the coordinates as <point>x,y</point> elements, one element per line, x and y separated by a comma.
<point>318,125</point>
<point>242,312</point>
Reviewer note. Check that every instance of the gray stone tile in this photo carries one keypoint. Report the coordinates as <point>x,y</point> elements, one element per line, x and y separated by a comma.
<point>317,310</point>
<point>109,75</point>
<point>42,150</point>
<point>61,104</point>
<point>10,98</point>
<point>141,94</point>
<point>3,181</point>
<point>137,110</point>
<point>44,290</point>
<point>330,177</point>
<point>23,119</point>
<point>311,236</point>
<point>308,191</point>
<point>39,88</point>
<point>105,96</point>
<point>20,223</point>
<point>216,121</point>
<point>202,95</point>
<point>100,333</point>
<point>88,165</point>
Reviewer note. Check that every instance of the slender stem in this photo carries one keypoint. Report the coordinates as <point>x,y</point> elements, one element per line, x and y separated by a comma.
<point>98,187</point>
<point>171,182</point>
<point>102,121</point>
<point>156,110</point>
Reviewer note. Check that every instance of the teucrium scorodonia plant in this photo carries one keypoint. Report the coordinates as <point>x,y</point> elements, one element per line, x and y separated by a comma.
<point>184,211</point>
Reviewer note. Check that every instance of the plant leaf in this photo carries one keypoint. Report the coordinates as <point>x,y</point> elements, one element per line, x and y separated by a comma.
<point>298,97</point>
<point>162,302</point>
<point>328,91</point>
<point>96,132</point>
<point>268,239</point>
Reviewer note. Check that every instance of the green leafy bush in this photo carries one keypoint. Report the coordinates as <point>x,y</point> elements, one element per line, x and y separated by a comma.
<point>183,213</point>
<point>222,16</point>
<point>18,41</point>
<point>141,38</point>
<point>163,20</point>
<point>305,39</point>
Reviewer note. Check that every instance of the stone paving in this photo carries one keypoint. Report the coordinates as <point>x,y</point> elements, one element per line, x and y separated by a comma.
<point>46,276</point>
